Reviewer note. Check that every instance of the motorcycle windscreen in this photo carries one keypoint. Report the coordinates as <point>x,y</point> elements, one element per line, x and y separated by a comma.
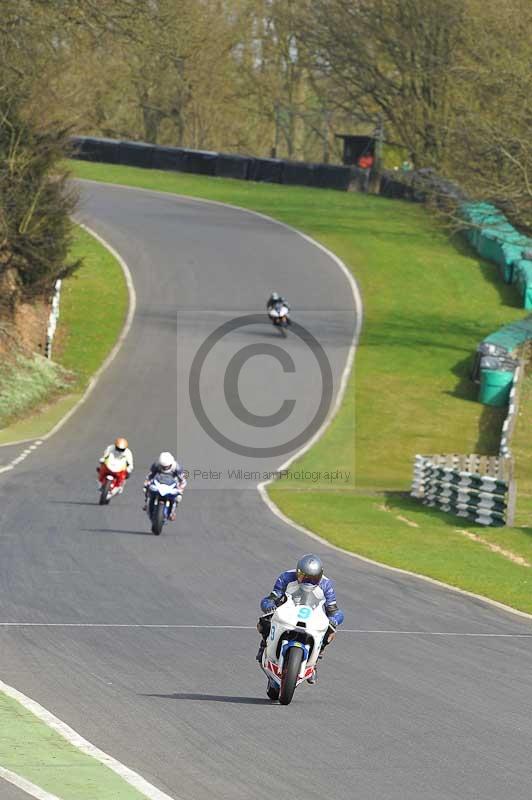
<point>165,479</point>
<point>307,595</point>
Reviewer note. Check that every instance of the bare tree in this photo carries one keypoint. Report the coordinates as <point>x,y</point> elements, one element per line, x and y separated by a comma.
<point>490,150</point>
<point>391,60</point>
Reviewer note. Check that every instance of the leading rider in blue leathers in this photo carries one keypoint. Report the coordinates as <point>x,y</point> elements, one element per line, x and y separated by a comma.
<point>309,570</point>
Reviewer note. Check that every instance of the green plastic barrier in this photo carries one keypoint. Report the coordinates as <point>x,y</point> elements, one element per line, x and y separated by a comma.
<point>513,334</point>
<point>487,244</point>
<point>512,254</point>
<point>495,385</point>
<point>523,281</point>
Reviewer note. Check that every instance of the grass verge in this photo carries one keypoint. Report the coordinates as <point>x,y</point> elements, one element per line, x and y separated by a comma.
<point>428,302</point>
<point>93,308</point>
<point>26,382</point>
<point>32,750</point>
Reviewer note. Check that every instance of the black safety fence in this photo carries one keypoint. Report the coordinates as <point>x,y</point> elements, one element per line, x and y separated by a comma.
<point>417,185</point>
<point>88,148</point>
<point>298,173</point>
<point>200,162</point>
<point>136,154</point>
<point>169,158</point>
<point>232,166</point>
<point>266,170</point>
<point>329,176</point>
<point>222,165</point>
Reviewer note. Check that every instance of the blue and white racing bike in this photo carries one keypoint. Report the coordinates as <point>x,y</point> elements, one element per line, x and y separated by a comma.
<point>298,627</point>
<point>164,496</point>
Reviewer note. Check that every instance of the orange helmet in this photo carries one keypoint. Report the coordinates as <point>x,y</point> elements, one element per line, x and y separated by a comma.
<point>121,443</point>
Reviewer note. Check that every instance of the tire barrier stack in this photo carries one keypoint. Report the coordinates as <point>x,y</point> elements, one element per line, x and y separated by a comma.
<point>496,363</point>
<point>52,320</point>
<point>221,165</point>
<point>477,488</point>
<point>492,236</point>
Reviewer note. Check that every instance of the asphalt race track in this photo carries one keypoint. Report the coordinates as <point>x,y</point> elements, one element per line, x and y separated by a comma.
<point>399,712</point>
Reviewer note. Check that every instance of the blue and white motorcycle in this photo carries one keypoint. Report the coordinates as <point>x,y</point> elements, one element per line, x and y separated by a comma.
<point>298,627</point>
<point>163,497</point>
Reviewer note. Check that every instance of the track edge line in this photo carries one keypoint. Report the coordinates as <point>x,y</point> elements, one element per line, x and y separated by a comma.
<point>76,740</point>
<point>26,786</point>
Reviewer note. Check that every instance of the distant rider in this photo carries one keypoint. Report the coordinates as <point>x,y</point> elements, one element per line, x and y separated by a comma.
<point>165,465</point>
<point>309,570</point>
<point>120,453</point>
<point>276,299</point>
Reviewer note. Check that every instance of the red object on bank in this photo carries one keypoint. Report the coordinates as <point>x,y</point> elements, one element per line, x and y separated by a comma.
<point>365,162</point>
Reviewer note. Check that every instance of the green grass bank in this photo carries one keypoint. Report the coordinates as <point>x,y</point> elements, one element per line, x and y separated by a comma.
<point>38,393</point>
<point>32,750</point>
<point>428,301</point>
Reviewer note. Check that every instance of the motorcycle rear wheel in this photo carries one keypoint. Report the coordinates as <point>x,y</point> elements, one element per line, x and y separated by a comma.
<point>290,675</point>
<point>158,519</point>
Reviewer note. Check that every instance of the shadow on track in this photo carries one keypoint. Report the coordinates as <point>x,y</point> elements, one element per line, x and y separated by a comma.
<point>75,502</point>
<point>215,698</point>
<point>116,530</point>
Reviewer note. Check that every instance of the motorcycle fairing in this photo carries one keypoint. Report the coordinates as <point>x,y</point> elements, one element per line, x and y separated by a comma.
<point>300,621</point>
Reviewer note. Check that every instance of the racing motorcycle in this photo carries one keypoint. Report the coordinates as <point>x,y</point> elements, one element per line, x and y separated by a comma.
<point>163,492</point>
<point>280,317</point>
<point>298,627</point>
<point>110,485</point>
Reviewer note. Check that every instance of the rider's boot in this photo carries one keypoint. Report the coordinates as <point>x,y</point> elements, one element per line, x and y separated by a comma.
<point>260,651</point>
<point>314,677</point>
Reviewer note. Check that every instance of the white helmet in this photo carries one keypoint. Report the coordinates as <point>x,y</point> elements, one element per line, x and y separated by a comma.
<point>166,462</point>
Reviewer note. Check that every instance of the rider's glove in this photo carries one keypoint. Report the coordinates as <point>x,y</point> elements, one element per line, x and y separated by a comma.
<point>268,605</point>
<point>333,623</point>
<point>336,616</point>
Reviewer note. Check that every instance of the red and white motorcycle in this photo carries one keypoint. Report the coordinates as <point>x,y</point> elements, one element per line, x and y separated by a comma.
<point>112,474</point>
<point>298,627</point>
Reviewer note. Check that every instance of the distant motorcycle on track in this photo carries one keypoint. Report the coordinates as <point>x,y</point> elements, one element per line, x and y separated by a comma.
<point>279,315</point>
<point>164,497</point>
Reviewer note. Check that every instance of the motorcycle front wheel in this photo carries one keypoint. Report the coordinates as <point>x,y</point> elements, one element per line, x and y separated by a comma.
<point>157,519</point>
<point>104,500</point>
<point>290,675</point>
